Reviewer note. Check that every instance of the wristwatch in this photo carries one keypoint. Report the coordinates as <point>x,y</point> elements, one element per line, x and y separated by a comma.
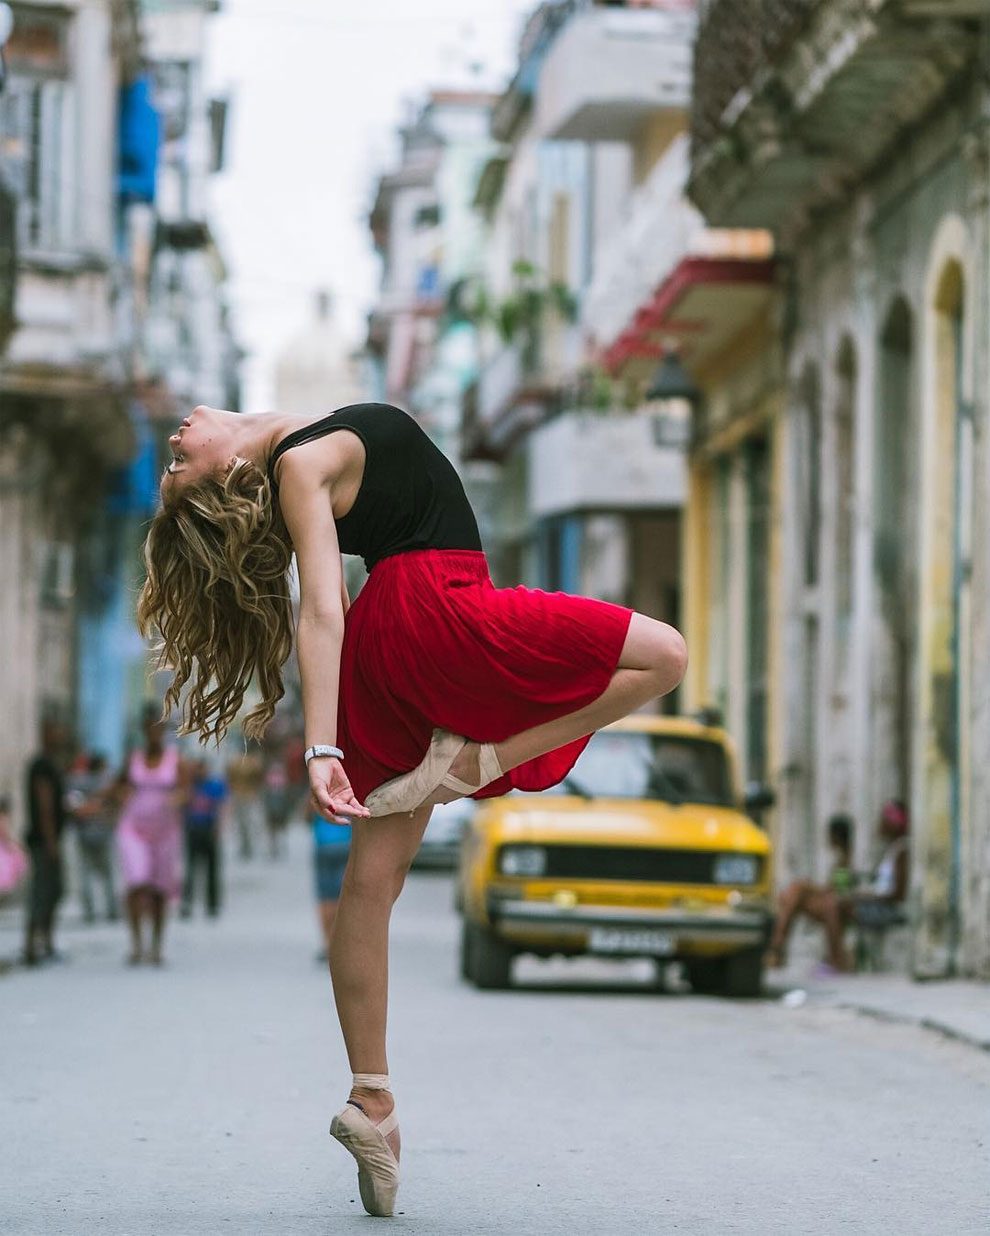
<point>312,753</point>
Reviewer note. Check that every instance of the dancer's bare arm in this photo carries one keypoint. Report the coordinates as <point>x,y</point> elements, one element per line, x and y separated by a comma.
<point>305,493</point>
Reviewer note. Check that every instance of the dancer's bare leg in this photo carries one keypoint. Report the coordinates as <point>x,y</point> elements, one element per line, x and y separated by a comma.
<point>381,852</point>
<point>651,664</point>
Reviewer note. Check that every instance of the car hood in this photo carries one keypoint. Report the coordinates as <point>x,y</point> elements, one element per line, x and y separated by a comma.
<point>569,821</point>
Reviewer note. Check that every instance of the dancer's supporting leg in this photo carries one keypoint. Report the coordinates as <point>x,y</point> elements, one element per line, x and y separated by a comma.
<point>651,664</point>
<point>381,852</point>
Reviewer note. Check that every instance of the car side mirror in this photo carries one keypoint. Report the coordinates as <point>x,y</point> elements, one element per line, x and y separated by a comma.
<point>758,796</point>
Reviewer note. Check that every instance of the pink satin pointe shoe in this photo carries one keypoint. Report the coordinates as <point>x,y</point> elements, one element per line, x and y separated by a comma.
<point>378,1168</point>
<point>412,789</point>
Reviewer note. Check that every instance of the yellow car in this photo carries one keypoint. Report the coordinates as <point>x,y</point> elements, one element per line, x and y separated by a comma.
<point>644,850</point>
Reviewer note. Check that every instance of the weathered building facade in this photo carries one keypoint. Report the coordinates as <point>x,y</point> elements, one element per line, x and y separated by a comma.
<point>87,383</point>
<point>591,478</point>
<point>64,424</point>
<point>859,134</point>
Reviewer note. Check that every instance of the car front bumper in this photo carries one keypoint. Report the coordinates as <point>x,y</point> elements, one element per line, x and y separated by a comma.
<point>546,924</point>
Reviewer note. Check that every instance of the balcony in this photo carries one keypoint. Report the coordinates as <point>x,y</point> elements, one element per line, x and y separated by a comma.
<point>610,68</point>
<point>664,276</point>
<point>795,99</point>
<point>65,342</point>
<point>660,228</point>
<point>8,263</point>
<point>511,399</point>
<point>591,461</point>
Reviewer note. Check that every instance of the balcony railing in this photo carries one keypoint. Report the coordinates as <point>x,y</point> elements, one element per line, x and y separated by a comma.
<point>660,228</point>
<point>590,461</point>
<point>797,100</point>
<point>736,39</point>
<point>612,67</point>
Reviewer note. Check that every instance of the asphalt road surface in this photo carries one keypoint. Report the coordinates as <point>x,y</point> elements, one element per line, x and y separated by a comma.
<point>195,1100</point>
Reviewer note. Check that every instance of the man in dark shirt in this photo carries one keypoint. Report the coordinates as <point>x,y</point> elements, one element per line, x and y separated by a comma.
<point>46,821</point>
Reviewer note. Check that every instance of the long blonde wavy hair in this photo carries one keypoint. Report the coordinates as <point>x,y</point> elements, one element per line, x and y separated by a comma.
<point>217,556</point>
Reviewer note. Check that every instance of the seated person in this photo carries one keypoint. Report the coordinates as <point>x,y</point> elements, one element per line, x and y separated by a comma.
<point>820,902</point>
<point>878,903</point>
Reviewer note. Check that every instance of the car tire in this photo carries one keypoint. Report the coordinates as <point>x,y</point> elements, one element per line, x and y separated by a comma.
<point>744,973</point>
<point>486,960</point>
<point>467,953</point>
<point>706,976</point>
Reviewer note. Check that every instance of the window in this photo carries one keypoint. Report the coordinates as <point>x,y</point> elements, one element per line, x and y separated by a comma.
<point>37,142</point>
<point>664,767</point>
<point>36,158</point>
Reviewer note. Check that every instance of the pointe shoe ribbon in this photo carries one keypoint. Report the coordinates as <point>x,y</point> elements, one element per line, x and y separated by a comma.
<point>378,1168</point>
<point>412,789</point>
<point>488,767</point>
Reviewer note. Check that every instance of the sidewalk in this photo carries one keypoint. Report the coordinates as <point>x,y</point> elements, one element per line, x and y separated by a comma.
<point>958,1008</point>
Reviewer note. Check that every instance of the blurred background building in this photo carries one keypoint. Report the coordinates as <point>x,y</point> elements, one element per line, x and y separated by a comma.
<point>112,316</point>
<point>729,316</point>
<point>699,303</point>
<point>849,427</point>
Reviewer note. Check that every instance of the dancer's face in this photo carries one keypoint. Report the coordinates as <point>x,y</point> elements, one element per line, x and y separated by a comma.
<point>201,446</point>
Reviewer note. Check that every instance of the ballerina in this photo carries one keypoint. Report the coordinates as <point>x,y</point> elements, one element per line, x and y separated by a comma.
<point>433,685</point>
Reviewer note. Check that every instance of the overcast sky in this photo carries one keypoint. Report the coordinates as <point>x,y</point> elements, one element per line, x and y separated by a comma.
<point>317,88</point>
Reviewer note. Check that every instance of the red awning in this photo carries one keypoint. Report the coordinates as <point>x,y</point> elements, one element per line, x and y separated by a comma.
<point>704,300</point>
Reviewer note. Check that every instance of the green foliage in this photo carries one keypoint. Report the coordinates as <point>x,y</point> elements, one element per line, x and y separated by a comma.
<point>521,314</point>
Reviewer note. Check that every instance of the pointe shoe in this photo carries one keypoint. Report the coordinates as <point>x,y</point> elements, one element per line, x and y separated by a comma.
<point>378,1168</point>
<point>412,789</point>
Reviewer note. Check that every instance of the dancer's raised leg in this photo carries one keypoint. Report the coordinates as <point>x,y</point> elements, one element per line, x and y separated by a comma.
<point>651,664</point>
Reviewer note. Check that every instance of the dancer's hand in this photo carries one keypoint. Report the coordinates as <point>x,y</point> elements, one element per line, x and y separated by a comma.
<point>331,791</point>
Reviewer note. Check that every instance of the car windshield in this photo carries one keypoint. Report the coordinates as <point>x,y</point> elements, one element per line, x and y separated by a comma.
<point>670,768</point>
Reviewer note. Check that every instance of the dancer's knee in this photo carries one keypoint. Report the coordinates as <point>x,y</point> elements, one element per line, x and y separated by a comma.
<point>670,658</point>
<point>657,650</point>
<point>379,881</point>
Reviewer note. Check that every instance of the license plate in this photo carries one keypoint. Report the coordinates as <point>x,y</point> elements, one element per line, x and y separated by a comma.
<point>618,940</point>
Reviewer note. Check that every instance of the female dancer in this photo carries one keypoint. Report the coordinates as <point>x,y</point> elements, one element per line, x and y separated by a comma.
<point>436,685</point>
<point>149,837</point>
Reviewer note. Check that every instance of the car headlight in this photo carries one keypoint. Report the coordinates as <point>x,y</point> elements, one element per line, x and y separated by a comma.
<point>522,860</point>
<point>737,869</point>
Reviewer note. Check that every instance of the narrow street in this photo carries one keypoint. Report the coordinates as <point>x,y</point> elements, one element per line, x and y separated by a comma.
<point>196,1099</point>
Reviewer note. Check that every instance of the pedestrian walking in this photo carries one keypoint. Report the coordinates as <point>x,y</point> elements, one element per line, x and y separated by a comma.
<point>92,813</point>
<point>13,859</point>
<point>278,803</point>
<point>436,685</point>
<point>46,824</point>
<point>207,794</point>
<point>331,846</point>
<point>245,776</point>
<point>149,838</point>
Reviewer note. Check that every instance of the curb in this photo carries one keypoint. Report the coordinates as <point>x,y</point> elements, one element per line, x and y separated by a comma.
<point>925,1023</point>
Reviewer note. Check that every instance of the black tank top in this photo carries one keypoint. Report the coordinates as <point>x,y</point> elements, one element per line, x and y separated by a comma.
<point>410,495</point>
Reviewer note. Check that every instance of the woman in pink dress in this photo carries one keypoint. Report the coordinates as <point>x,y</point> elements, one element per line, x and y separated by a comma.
<point>149,838</point>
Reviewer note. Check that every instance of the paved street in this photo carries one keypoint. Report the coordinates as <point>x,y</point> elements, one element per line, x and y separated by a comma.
<point>196,1099</point>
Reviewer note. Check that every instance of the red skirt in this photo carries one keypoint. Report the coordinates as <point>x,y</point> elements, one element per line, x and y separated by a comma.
<point>431,642</point>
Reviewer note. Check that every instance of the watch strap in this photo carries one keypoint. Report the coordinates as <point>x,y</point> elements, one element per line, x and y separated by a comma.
<point>321,749</point>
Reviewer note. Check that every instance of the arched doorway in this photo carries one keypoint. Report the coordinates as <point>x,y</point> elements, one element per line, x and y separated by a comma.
<point>895,554</point>
<point>806,471</point>
<point>844,506</point>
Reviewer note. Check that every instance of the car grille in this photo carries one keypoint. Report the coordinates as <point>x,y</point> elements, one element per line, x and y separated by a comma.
<point>579,862</point>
